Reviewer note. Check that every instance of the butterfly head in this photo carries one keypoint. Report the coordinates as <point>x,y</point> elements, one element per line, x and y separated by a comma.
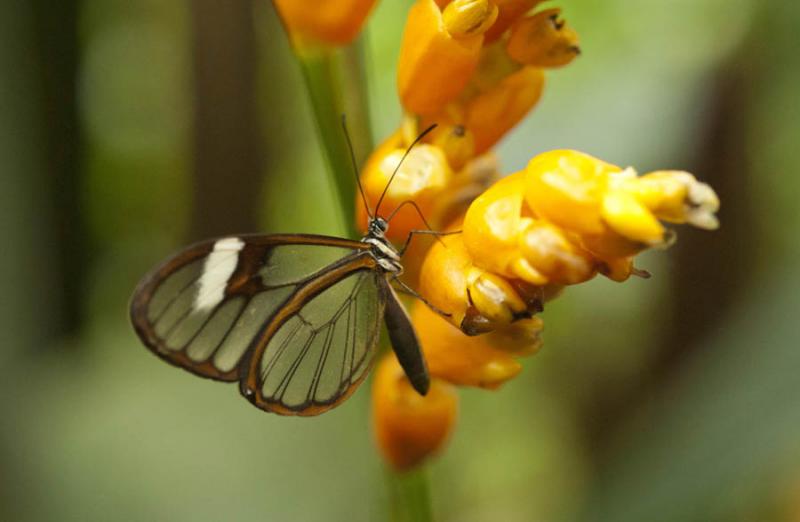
<point>378,227</point>
<point>382,250</point>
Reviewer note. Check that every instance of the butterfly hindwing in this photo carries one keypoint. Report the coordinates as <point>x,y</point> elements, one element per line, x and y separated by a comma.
<point>320,346</point>
<point>205,307</point>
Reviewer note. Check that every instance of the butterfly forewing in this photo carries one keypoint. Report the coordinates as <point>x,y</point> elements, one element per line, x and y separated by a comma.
<point>223,308</point>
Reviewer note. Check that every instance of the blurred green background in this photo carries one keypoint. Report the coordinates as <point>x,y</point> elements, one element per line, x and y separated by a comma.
<point>129,128</point>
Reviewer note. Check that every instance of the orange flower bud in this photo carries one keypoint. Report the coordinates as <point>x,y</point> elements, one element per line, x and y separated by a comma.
<point>509,12</point>
<point>434,65</point>
<point>543,40</point>
<point>410,428</point>
<point>334,22</point>
<point>460,359</point>
<point>492,113</point>
<point>422,177</point>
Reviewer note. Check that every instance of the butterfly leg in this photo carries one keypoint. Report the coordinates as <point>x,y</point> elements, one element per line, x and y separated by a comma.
<point>404,288</point>
<point>429,229</point>
<point>434,233</point>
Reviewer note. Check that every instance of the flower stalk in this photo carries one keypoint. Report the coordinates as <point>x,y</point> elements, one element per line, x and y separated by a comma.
<point>335,81</point>
<point>410,496</point>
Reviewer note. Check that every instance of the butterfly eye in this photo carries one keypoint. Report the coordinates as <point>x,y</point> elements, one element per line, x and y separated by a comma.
<point>383,224</point>
<point>379,225</point>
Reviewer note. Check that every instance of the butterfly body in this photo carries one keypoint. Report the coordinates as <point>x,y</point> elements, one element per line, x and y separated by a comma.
<point>294,318</point>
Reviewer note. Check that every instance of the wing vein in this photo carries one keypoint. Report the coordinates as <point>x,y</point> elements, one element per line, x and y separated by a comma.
<point>279,352</point>
<point>229,329</point>
<point>287,379</point>
<point>312,390</point>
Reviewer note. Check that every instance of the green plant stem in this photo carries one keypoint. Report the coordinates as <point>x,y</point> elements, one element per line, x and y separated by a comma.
<point>354,59</point>
<point>410,496</point>
<point>336,84</point>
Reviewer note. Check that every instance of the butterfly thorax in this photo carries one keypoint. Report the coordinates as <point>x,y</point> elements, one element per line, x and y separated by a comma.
<point>382,250</point>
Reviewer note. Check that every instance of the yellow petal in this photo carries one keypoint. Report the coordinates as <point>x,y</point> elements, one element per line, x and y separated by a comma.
<point>678,197</point>
<point>463,18</point>
<point>492,227</point>
<point>547,248</point>
<point>494,297</point>
<point>632,220</point>
<point>566,188</point>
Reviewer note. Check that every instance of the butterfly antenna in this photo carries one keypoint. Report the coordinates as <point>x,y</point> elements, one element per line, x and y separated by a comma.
<point>388,183</point>
<point>355,166</point>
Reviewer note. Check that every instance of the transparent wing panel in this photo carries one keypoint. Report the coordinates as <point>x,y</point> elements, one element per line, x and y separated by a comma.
<point>325,349</point>
<point>292,263</point>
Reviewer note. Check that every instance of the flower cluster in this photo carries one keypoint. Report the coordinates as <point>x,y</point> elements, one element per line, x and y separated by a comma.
<point>476,68</point>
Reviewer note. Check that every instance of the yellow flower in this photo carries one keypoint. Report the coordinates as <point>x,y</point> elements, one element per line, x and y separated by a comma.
<point>564,219</point>
<point>410,428</point>
<point>476,68</point>
<point>331,22</point>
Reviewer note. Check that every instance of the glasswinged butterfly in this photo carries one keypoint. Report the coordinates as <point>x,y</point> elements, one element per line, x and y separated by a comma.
<point>294,318</point>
